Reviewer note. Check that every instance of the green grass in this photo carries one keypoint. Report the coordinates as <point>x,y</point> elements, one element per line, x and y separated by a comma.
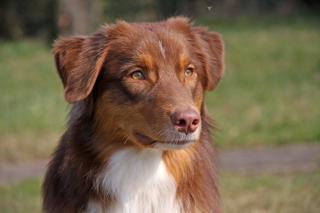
<point>21,197</point>
<point>299,193</point>
<point>31,102</point>
<point>270,93</point>
<point>271,90</point>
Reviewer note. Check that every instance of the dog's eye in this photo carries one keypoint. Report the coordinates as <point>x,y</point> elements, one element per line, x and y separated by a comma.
<point>189,71</point>
<point>137,75</point>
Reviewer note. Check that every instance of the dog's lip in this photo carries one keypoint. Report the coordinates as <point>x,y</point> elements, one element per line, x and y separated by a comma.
<point>144,139</point>
<point>149,141</point>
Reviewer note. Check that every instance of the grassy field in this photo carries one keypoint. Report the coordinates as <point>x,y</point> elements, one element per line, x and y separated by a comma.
<point>270,93</point>
<point>298,193</point>
<point>31,103</point>
<point>271,90</point>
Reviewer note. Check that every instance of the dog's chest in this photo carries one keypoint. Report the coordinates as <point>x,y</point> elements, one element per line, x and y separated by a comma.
<point>139,181</point>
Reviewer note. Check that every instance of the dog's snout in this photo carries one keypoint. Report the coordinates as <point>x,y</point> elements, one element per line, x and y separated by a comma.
<point>186,121</point>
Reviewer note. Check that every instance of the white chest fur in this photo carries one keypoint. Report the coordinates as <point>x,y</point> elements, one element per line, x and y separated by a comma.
<point>140,182</point>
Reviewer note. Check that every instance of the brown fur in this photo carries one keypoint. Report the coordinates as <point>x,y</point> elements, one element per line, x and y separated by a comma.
<point>108,106</point>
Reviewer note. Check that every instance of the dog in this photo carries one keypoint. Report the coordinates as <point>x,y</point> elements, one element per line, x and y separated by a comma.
<point>138,137</point>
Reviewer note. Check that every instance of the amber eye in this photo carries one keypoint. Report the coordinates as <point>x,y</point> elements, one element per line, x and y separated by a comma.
<point>137,75</point>
<point>189,71</point>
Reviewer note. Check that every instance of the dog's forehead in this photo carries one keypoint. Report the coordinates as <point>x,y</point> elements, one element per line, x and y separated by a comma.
<point>158,40</point>
<point>161,47</point>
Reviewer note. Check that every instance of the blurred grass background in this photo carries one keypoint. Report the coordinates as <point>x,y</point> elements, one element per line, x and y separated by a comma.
<point>269,96</point>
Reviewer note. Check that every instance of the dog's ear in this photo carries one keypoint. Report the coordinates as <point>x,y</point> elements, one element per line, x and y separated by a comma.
<point>79,61</point>
<point>212,47</point>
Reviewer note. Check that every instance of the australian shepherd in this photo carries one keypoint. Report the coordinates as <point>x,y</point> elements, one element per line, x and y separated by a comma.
<point>138,139</point>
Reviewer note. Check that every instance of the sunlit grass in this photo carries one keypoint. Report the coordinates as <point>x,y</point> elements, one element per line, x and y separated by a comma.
<point>271,90</point>
<point>31,95</point>
<point>299,193</point>
<point>21,197</point>
<point>31,103</point>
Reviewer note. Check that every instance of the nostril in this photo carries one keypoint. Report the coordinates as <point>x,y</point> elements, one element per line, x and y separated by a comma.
<point>182,122</point>
<point>195,122</point>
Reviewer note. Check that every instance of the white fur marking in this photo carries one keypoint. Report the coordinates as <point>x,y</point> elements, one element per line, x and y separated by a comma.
<point>94,207</point>
<point>140,182</point>
<point>162,50</point>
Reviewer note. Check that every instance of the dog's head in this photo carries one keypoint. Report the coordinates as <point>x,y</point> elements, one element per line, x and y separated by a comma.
<point>147,80</point>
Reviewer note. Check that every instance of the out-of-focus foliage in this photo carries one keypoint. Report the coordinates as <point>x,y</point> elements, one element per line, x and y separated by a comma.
<point>47,18</point>
<point>32,18</point>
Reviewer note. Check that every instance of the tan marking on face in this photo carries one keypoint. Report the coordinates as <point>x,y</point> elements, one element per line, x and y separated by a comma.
<point>198,97</point>
<point>150,67</point>
<point>184,61</point>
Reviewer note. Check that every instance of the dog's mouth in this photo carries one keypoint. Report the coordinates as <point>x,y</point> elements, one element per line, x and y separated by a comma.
<point>145,140</point>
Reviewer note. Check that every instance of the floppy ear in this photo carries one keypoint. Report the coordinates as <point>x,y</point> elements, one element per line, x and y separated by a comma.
<point>79,61</point>
<point>213,52</point>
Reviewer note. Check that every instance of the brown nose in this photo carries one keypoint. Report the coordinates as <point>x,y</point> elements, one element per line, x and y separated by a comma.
<point>186,121</point>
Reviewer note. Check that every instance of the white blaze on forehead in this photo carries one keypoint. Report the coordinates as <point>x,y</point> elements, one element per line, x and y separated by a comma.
<point>162,50</point>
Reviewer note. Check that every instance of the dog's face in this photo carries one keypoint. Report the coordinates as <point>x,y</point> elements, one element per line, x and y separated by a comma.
<point>147,80</point>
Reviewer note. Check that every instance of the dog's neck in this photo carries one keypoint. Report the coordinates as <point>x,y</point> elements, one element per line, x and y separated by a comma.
<point>139,181</point>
